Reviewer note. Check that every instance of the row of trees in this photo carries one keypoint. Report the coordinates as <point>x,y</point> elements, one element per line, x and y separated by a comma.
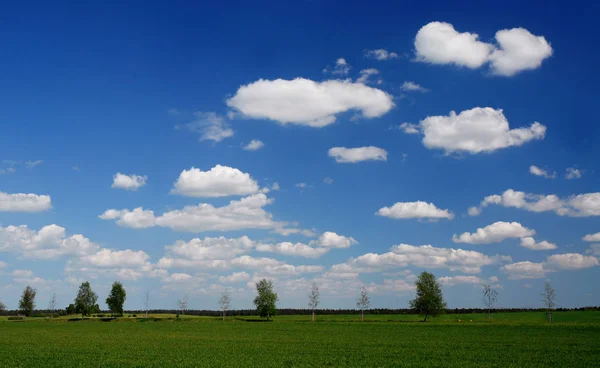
<point>428,301</point>
<point>84,303</point>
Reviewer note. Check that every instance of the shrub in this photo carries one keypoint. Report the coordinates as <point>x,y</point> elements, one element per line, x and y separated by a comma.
<point>16,318</point>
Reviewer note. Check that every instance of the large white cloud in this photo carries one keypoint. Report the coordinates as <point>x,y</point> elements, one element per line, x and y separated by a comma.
<point>530,243</point>
<point>117,258</point>
<point>481,129</point>
<point>305,102</point>
<point>553,263</point>
<point>22,202</point>
<point>570,261</point>
<point>418,210</point>
<point>220,181</point>
<point>592,237</point>
<point>427,256</point>
<point>494,233</point>
<point>220,248</point>
<point>316,248</point>
<point>49,242</point>
<point>138,218</point>
<point>330,239</point>
<point>293,249</point>
<point>354,155</point>
<point>246,213</point>
<point>516,50</point>
<point>581,205</point>
<point>235,277</point>
<point>519,50</point>
<point>472,280</point>
<point>524,270</point>
<point>440,43</point>
<point>128,182</point>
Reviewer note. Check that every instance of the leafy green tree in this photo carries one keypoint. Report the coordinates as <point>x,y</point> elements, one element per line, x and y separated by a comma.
<point>429,300</point>
<point>266,299</point>
<point>27,302</point>
<point>116,298</point>
<point>85,302</point>
<point>70,309</point>
<point>2,306</point>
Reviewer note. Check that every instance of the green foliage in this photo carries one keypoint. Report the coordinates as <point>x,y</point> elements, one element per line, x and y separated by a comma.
<point>85,302</point>
<point>116,298</point>
<point>429,300</point>
<point>2,306</point>
<point>27,302</point>
<point>265,299</point>
<point>70,309</point>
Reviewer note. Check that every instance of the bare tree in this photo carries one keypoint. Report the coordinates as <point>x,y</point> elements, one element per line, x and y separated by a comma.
<point>548,297</point>
<point>490,298</point>
<point>363,302</point>
<point>147,302</point>
<point>224,302</point>
<point>183,303</point>
<point>314,299</point>
<point>52,303</point>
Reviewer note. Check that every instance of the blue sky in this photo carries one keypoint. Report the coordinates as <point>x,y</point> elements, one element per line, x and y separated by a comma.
<point>172,95</point>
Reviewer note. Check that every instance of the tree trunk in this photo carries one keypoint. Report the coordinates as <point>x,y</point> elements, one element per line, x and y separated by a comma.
<point>313,315</point>
<point>223,315</point>
<point>425,320</point>
<point>363,315</point>
<point>146,314</point>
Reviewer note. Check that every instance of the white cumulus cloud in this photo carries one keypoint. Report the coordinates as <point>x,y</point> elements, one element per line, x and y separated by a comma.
<point>481,129</point>
<point>592,237</point>
<point>494,233</point>
<point>516,49</point>
<point>354,155</point>
<point>305,102</point>
<point>530,243</point>
<point>409,86</point>
<point>254,145</point>
<point>440,43</point>
<point>418,210</point>
<point>581,205</point>
<point>129,182</point>
<point>220,181</point>
<point>22,202</point>
<point>50,242</point>
<point>541,172</point>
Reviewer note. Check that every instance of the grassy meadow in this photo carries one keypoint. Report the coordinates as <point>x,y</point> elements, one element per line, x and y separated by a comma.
<point>511,340</point>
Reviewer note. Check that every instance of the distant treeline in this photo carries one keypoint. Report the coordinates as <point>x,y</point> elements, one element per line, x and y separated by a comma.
<point>289,311</point>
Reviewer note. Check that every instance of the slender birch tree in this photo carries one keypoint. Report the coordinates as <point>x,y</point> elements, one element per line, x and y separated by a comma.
<point>490,298</point>
<point>548,298</point>
<point>363,302</point>
<point>314,299</point>
<point>183,303</point>
<point>224,302</point>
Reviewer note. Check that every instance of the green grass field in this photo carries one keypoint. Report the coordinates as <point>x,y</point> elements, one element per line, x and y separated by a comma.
<point>512,340</point>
